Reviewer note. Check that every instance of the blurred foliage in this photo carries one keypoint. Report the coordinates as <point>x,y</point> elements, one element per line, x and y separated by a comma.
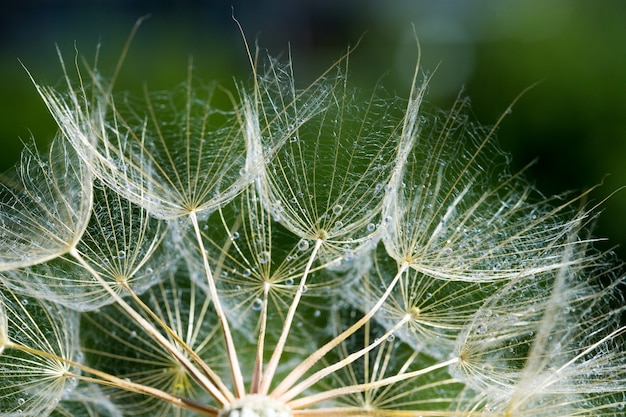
<point>572,121</point>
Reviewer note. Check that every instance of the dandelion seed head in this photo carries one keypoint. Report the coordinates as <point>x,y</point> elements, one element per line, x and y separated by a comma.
<point>305,250</point>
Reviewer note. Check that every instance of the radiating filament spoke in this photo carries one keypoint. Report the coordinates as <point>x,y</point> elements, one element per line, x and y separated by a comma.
<point>154,333</point>
<point>221,316</point>
<point>351,389</point>
<point>312,359</point>
<point>273,363</point>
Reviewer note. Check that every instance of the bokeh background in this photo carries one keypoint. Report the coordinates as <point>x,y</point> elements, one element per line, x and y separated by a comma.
<point>573,122</point>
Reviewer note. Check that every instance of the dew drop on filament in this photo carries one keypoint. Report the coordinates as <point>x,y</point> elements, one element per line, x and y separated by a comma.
<point>303,245</point>
<point>264,257</point>
<point>257,304</point>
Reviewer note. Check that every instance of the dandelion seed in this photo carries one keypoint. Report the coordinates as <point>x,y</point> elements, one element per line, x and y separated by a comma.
<point>40,229</point>
<point>114,224</point>
<point>37,339</point>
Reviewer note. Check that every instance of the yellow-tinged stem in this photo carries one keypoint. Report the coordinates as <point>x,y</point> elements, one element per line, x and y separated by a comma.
<point>359,412</point>
<point>235,368</point>
<point>351,389</point>
<point>104,378</point>
<point>301,369</point>
<point>338,365</point>
<point>258,364</point>
<point>278,351</point>
<point>192,354</point>
<point>154,333</point>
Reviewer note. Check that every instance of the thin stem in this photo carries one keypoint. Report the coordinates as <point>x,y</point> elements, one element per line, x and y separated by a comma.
<point>154,333</point>
<point>280,346</point>
<point>360,412</point>
<point>221,316</point>
<point>557,373</point>
<point>258,364</point>
<point>351,389</point>
<point>312,359</point>
<point>322,373</point>
<point>104,378</point>
<point>215,379</point>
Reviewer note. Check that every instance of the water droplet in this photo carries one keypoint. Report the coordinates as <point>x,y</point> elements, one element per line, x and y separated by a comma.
<point>121,254</point>
<point>317,313</point>
<point>337,209</point>
<point>247,272</point>
<point>289,281</point>
<point>234,236</point>
<point>257,304</point>
<point>481,329</point>
<point>428,295</point>
<point>21,401</point>
<point>371,227</point>
<point>303,245</point>
<point>37,199</point>
<point>293,139</point>
<point>391,338</point>
<point>24,302</point>
<point>447,251</point>
<point>149,271</point>
<point>303,289</point>
<point>264,257</point>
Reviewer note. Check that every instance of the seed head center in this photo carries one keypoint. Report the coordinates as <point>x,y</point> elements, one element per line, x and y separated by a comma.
<point>255,405</point>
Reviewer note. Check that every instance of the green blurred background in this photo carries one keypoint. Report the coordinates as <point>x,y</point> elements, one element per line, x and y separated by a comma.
<point>573,122</point>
